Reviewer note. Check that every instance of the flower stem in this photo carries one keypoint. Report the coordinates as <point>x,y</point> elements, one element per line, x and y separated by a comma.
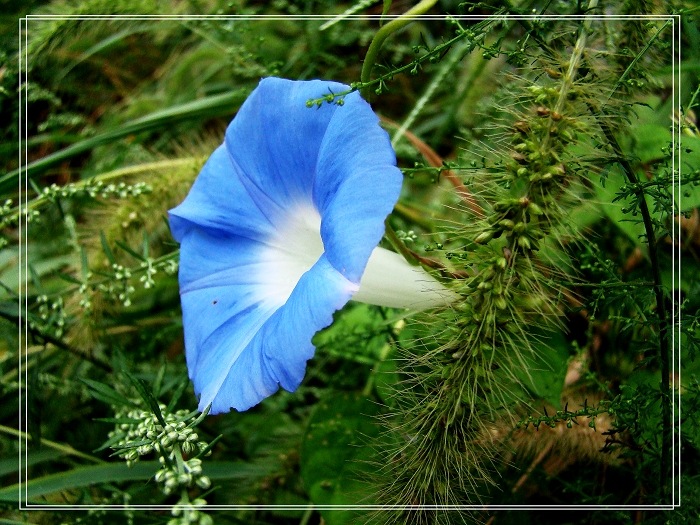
<point>384,32</point>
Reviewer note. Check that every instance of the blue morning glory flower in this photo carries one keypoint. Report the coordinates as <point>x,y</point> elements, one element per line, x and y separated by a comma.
<point>280,230</point>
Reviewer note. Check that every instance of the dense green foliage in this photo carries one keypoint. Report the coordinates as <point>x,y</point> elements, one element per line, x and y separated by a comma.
<point>552,180</point>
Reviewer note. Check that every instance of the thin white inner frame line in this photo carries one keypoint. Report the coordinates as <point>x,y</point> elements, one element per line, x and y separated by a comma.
<point>23,328</point>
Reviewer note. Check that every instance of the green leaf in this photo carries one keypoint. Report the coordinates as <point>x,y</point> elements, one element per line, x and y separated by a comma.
<point>689,163</point>
<point>12,464</point>
<point>335,456</point>
<point>106,248</point>
<point>359,6</point>
<point>182,385</point>
<point>69,278</point>
<point>115,438</point>
<point>358,334</point>
<point>81,477</point>
<point>545,367</point>
<point>647,143</point>
<point>608,196</point>
<point>385,380</point>
<point>119,472</point>
<point>106,393</point>
<point>385,8</point>
<point>128,250</point>
<point>144,391</point>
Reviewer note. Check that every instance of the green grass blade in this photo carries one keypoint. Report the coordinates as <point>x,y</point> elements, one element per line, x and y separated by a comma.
<point>81,477</point>
<point>215,105</point>
<point>119,472</point>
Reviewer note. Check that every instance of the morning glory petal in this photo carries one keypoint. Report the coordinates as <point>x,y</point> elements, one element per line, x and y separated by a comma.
<point>218,199</point>
<point>276,234</point>
<point>356,187</point>
<point>275,139</point>
<point>221,278</point>
<point>278,354</point>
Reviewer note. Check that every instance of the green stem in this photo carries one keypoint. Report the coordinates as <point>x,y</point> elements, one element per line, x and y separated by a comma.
<point>383,355</point>
<point>446,68</point>
<point>664,357</point>
<point>307,515</point>
<point>66,449</point>
<point>129,171</point>
<point>383,34</point>
<point>55,341</point>
<point>692,103</point>
<point>571,71</point>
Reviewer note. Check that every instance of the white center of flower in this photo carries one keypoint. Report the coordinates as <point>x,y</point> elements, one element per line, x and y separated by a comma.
<point>291,252</point>
<point>388,279</point>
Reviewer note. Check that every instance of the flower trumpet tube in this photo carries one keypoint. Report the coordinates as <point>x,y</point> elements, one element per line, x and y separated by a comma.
<point>280,230</point>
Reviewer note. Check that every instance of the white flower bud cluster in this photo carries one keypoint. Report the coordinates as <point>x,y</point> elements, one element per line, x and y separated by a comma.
<point>170,442</point>
<point>187,513</point>
<point>52,315</point>
<point>120,286</point>
<point>6,218</point>
<point>29,214</point>
<point>94,188</point>
<point>170,267</point>
<point>85,297</point>
<point>147,278</point>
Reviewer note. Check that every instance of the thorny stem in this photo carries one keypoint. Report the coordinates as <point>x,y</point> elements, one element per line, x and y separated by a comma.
<point>664,357</point>
<point>384,32</point>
